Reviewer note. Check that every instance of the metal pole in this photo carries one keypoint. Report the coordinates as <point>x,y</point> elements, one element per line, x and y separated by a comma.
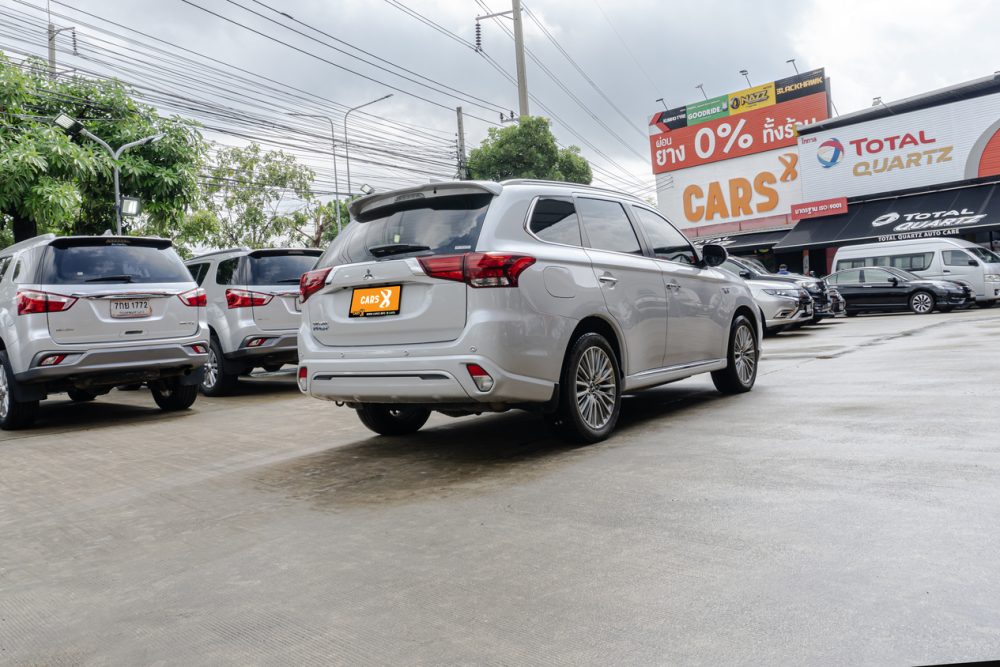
<point>115,154</point>
<point>462,171</point>
<point>118,202</point>
<point>522,77</point>
<point>336,185</point>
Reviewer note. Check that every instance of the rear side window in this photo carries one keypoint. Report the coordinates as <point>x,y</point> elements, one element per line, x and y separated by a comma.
<point>225,273</point>
<point>432,226</point>
<point>554,220</point>
<point>4,263</point>
<point>76,264</point>
<point>198,272</point>
<point>279,269</point>
<point>955,258</point>
<point>849,277</point>
<point>607,227</point>
<point>667,242</point>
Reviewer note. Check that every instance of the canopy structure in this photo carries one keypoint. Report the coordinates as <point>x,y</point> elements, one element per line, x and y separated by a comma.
<point>746,242</point>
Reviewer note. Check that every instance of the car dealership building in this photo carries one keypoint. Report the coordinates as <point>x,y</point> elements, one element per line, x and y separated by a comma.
<point>920,167</point>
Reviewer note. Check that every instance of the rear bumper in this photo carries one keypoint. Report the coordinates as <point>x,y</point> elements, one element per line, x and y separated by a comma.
<point>424,380</point>
<point>145,362</point>
<point>276,347</point>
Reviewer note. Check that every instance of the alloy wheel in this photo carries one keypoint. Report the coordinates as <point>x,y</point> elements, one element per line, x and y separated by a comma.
<point>595,388</point>
<point>922,302</point>
<point>745,353</point>
<point>211,369</point>
<point>4,394</point>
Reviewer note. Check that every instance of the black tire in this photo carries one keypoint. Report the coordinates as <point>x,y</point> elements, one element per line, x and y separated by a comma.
<point>742,356</point>
<point>81,395</point>
<point>588,415</point>
<point>14,414</point>
<point>985,304</point>
<point>946,309</point>
<point>215,381</point>
<point>393,419</point>
<point>922,302</point>
<point>851,313</point>
<point>170,395</point>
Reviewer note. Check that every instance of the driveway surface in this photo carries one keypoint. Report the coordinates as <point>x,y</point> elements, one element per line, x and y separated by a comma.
<point>847,511</point>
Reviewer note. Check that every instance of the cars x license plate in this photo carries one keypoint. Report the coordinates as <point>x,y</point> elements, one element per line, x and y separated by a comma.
<point>128,308</point>
<point>375,301</point>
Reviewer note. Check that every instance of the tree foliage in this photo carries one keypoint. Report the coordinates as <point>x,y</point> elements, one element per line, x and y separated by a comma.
<point>316,223</point>
<point>50,182</point>
<point>527,150</point>
<point>245,198</point>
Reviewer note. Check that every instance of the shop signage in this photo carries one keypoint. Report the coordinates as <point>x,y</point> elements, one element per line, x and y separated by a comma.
<point>943,144</point>
<point>818,209</point>
<point>746,122</point>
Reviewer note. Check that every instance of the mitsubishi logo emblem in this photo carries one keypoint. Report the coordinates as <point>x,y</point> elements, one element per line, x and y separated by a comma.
<point>368,274</point>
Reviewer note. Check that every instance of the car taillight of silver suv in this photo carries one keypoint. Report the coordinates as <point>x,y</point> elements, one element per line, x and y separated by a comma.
<point>84,314</point>
<point>473,297</point>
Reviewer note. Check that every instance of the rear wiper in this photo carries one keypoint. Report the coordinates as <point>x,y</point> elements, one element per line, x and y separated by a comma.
<point>110,279</point>
<point>395,249</point>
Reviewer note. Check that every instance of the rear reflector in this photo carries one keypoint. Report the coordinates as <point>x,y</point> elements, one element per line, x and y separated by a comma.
<point>241,298</point>
<point>199,348</point>
<point>194,298</point>
<point>52,360</point>
<point>478,269</point>
<point>256,342</point>
<point>303,377</point>
<point>312,282</point>
<point>31,301</point>
<point>479,375</point>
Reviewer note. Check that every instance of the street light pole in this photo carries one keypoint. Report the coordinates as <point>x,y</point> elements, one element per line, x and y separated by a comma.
<point>333,153</point>
<point>115,154</point>
<point>347,154</point>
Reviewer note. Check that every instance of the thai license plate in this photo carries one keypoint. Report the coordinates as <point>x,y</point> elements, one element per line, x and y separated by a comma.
<point>375,301</point>
<point>129,308</point>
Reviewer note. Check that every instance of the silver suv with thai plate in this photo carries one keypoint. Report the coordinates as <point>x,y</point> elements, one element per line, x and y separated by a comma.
<point>470,297</point>
<point>83,314</point>
<point>253,310</point>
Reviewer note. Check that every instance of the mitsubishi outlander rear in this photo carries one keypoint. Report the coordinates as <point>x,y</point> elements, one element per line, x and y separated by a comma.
<point>558,298</point>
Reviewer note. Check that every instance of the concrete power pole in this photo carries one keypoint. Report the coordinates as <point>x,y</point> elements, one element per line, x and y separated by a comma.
<point>463,171</point>
<point>522,77</point>
<point>52,51</point>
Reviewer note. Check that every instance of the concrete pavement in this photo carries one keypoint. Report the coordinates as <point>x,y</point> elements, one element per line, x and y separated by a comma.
<point>845,511</point>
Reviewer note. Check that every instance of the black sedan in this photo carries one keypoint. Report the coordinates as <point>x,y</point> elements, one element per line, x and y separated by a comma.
<point>882,288</point>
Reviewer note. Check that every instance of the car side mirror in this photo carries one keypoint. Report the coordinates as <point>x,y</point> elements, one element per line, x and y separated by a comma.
<point>713,254</point>
<point>746,275</point>
<point>973,262</point>
<point>894,281</point>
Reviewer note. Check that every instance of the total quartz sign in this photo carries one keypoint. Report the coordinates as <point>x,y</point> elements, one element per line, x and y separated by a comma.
<point>744,188</point>
<point>942,144</point>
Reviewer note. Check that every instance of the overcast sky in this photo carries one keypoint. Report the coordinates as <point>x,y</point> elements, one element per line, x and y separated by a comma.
<point>635,51</point>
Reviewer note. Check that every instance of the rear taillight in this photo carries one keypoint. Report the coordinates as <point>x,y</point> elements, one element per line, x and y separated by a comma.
<point>303,377</point>
<point>312,282</point>
<point>478,269</point>
<point>241,298</point>
<point>195,298</point>
<point>30,301</point>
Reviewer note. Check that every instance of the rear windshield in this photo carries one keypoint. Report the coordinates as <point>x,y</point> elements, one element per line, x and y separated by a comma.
<point>437,226</point>
<point>279,269</point>
<point>78,264</point>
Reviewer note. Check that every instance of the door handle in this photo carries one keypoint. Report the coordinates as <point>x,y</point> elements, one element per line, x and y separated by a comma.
<point>607,278</point>
<point>946,271</point>
<point>673,286</point>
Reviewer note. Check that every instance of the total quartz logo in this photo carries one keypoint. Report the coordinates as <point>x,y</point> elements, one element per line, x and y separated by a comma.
<point>830,152</point>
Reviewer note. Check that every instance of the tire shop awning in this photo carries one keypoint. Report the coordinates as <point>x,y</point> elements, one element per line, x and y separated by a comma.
<point>942,213</point>
<point>746,242</point>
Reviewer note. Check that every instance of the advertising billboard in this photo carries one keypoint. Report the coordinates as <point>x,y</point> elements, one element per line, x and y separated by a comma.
<point>744,188</point>
<point>747,122</point>
<point>942,144</point>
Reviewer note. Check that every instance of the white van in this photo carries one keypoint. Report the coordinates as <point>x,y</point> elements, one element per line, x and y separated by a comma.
<point>950,259</point>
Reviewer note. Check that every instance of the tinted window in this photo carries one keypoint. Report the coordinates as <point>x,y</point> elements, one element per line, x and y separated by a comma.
<point>913,262</point>
<point>17,270</point>
<point>438,225</point>
<point>877,276</point>
<point>607,227</point>
<point>555,220</point>
<point>667,242</point>
<point>77,264</point>
<point>4,263</point>
<point>279,269</point>
<point>851,276</point>
<point>955,258</point>
<point>225,273</point>
<point>198,272</point>
<point>849,263</point>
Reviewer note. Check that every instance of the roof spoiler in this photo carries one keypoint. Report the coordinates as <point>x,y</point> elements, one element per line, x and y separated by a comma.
<point>279,252</point>
<point>77,241</point>
<point>364,207</point>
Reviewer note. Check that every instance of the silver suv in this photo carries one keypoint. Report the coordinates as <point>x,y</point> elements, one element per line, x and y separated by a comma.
<point>782,303</point>
<point>83,314</point>
<point>253,310</point>
<point>470,297</point>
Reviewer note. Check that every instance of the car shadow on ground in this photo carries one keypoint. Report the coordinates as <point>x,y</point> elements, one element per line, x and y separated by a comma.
<point>470,455</point>
<point>59,414</point>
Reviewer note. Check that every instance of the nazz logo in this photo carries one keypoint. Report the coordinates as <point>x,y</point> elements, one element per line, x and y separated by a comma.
<point>750,98</point>
<point>913,221</point>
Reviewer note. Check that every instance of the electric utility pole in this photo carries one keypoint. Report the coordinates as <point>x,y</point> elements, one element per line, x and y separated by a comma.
<point>463,171</point>
<point>52,32</point>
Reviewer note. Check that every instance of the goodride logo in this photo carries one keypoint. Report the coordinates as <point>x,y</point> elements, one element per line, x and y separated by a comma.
<point>830,152</point>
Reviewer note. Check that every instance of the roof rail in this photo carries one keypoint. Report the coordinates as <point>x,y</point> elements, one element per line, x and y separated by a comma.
<point>569,185</point>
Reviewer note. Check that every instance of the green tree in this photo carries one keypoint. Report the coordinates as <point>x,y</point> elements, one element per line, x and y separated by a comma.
<point>246,195</point>
<point>316,223</point>
<point>50,182</point>
<point>527,150</point>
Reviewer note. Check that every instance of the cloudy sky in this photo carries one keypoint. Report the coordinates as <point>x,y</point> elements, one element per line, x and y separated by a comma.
<point>632,52</point>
